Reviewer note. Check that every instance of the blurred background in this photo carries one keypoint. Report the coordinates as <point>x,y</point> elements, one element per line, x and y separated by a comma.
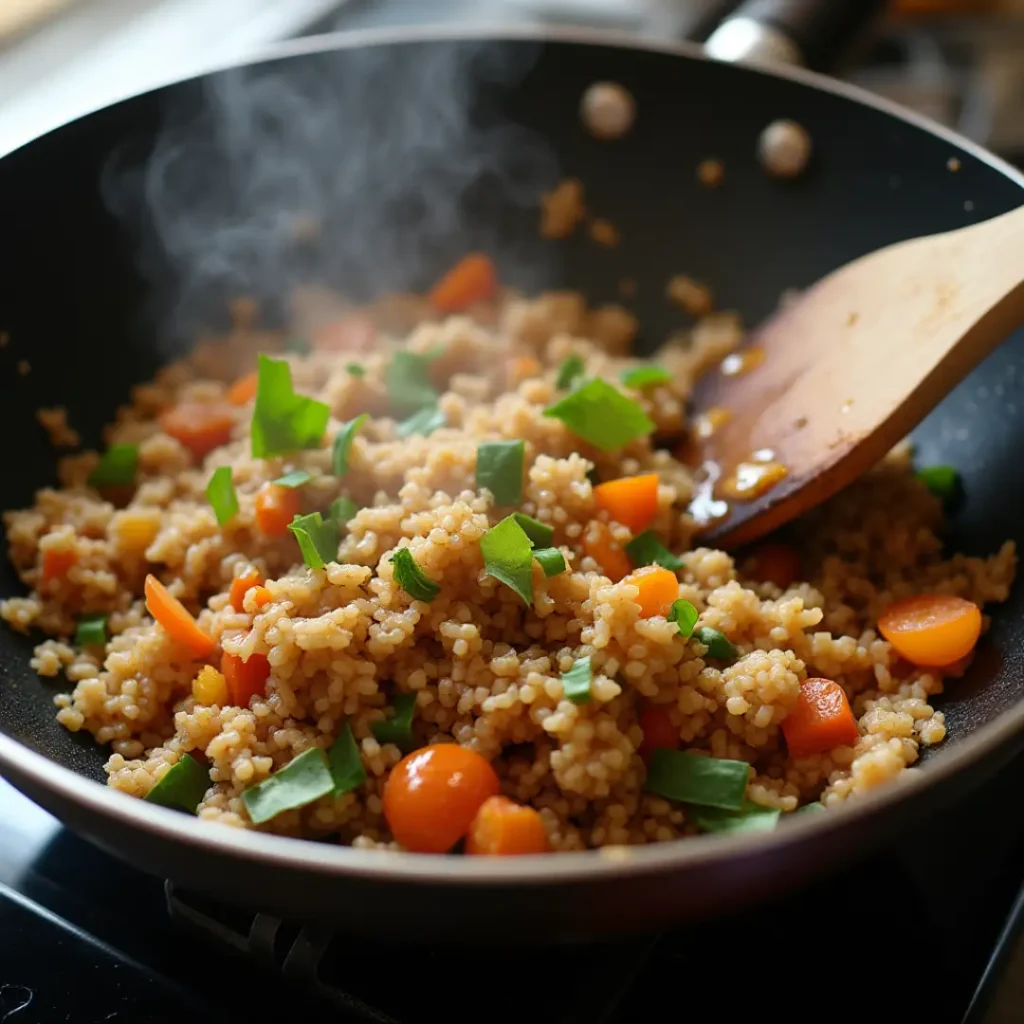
<point>959,61</point>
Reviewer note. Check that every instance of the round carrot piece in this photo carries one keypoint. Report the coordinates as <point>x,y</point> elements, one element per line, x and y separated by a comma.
<point>820,721</point>
<point>57,562</point>
<point>243,391</point>
<point>473,279</point>
<point>503,828</point>
<point>776,563</point>
<point>243,583</point>
<point>199,426</point>
<point>176,620</point>
<point>632,500</point>
<point>598,543</point>
<point>245,679</point>
<point>656,722</point>
<point>932,629</point>
<point>276,507</point>
<point>432,796</point>
<point>658,589</point>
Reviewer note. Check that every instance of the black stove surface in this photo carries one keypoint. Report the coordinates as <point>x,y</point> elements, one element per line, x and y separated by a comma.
<point>928,931</point>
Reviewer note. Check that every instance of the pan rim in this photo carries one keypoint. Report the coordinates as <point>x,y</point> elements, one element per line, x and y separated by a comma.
<point>20,762</point>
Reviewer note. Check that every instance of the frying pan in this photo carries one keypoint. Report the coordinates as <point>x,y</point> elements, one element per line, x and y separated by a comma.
<point>77,302</point>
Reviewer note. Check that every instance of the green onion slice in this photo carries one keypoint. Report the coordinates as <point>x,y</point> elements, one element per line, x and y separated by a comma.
<point>576,682</point>
<point>750,818</point>
<point>296,478</point>
<point>601,415</point>
<point>220,493</point>
<point>499,468</point>
<point>641,377</point>
<point>283,421</point>
<point>684,615</point>
<point>694,779</point>
<point>301,781</point>
<point>117,465</point>
<point>317,537</point>
<point>424,422</point>
<point>942,481</point>
<point>508,556</point>
<point>647,549</point>
<point>541,535</point>
<point>343,443</point>
<point>398,728</point>
<point>551,560</point>
<point>182,787</point>
<point>355,370</point>
<point>341,510</point>
<point>718,644</point>
<point>345,762</point>
<point>569,372</point>
<point>91,630</point>
<point>412,579</point>
<point>408,382</point>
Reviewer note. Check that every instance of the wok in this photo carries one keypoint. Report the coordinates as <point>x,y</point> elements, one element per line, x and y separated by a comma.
<point>95,305</point>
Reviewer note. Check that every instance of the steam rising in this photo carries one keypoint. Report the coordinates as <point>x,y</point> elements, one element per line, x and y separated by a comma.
<point>396,153</point>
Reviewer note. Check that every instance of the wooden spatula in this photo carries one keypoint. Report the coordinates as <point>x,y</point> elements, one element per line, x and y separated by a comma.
<point>828,385</point>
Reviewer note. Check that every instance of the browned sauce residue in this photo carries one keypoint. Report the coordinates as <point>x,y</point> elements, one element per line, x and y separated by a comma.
<point>752,479</point>
<point>742,362</point>
<point>707,423</point>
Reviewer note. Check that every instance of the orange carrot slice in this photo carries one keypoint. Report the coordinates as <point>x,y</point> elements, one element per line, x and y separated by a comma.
<point>243,583</point>
<point>632,501</point>
<point>656,723</point>
<point>245,679</point>
<point>932,629</point>
<point>658,589</point>
<point>199,426</point>
<point>176,620</point>
<point>243,391</point>
<point>276,507</point>
<point>57,562</point>
<point>261,596</point>
<point>473,279</point>
<point>821,720</point>
<point>503,828</point>
<point>598,543</point>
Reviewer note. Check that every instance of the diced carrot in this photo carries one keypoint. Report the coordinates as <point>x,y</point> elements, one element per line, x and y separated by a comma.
<point>658,589</point>
<point>245,679</point>
<point>503,828</point>
<point>242,583</point>
<point>473,279</point>
<point>243,391</point>
<point>199,426</point>
<point>932,629</point>
<point>276,507</point>
<point>598,543</point>
<point>821,721</point>
<point>656,723</point>
<point>632,501</point>
<point>776,563</point>
<point>521,368</point>
<point>210,686</point>
<point>260,596</point>
<point>176,620</point>
<point>57,562</point>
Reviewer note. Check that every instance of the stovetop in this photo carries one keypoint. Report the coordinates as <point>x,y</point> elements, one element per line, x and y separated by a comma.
<point>912,933</point>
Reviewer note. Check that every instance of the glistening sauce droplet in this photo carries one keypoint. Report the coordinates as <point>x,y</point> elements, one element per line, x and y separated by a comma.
<point>744,361</point>
<point>709,422</point>
<point>705,507</point>
<point>752,479</point>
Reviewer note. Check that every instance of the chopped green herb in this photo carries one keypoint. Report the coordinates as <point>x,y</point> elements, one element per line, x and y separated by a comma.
<point>117,465</point>
<point>540,534</point>
<point>398,728</point>
<point>343,443</point>
<point>296,478</point>
<point>424,422</point>
<point>341,510</point>
<point>695,779</point>
<point>412,579</point>
<point>283,421</point>
<point>220,493</point>
<point>817,805</point>
<point>942,481</point>
<point>684,615</point>
<point>345,762</point>
<point>601,415</point>
<point>551,560</point>
<point>301,781</point>
<point>569,372</point>
<point>299,345</point>
<point>355,369</point>
<point>508,556</point>
<point>91,630</point>
<point>718,644</point>
<point>751,818</point>
<point>182,786</point>
<point>641,377</point>
<point>408,382</point>
<point>647,549</point>
<point>576,682</point>
<point>499,468</point>
<point>317,537</point>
